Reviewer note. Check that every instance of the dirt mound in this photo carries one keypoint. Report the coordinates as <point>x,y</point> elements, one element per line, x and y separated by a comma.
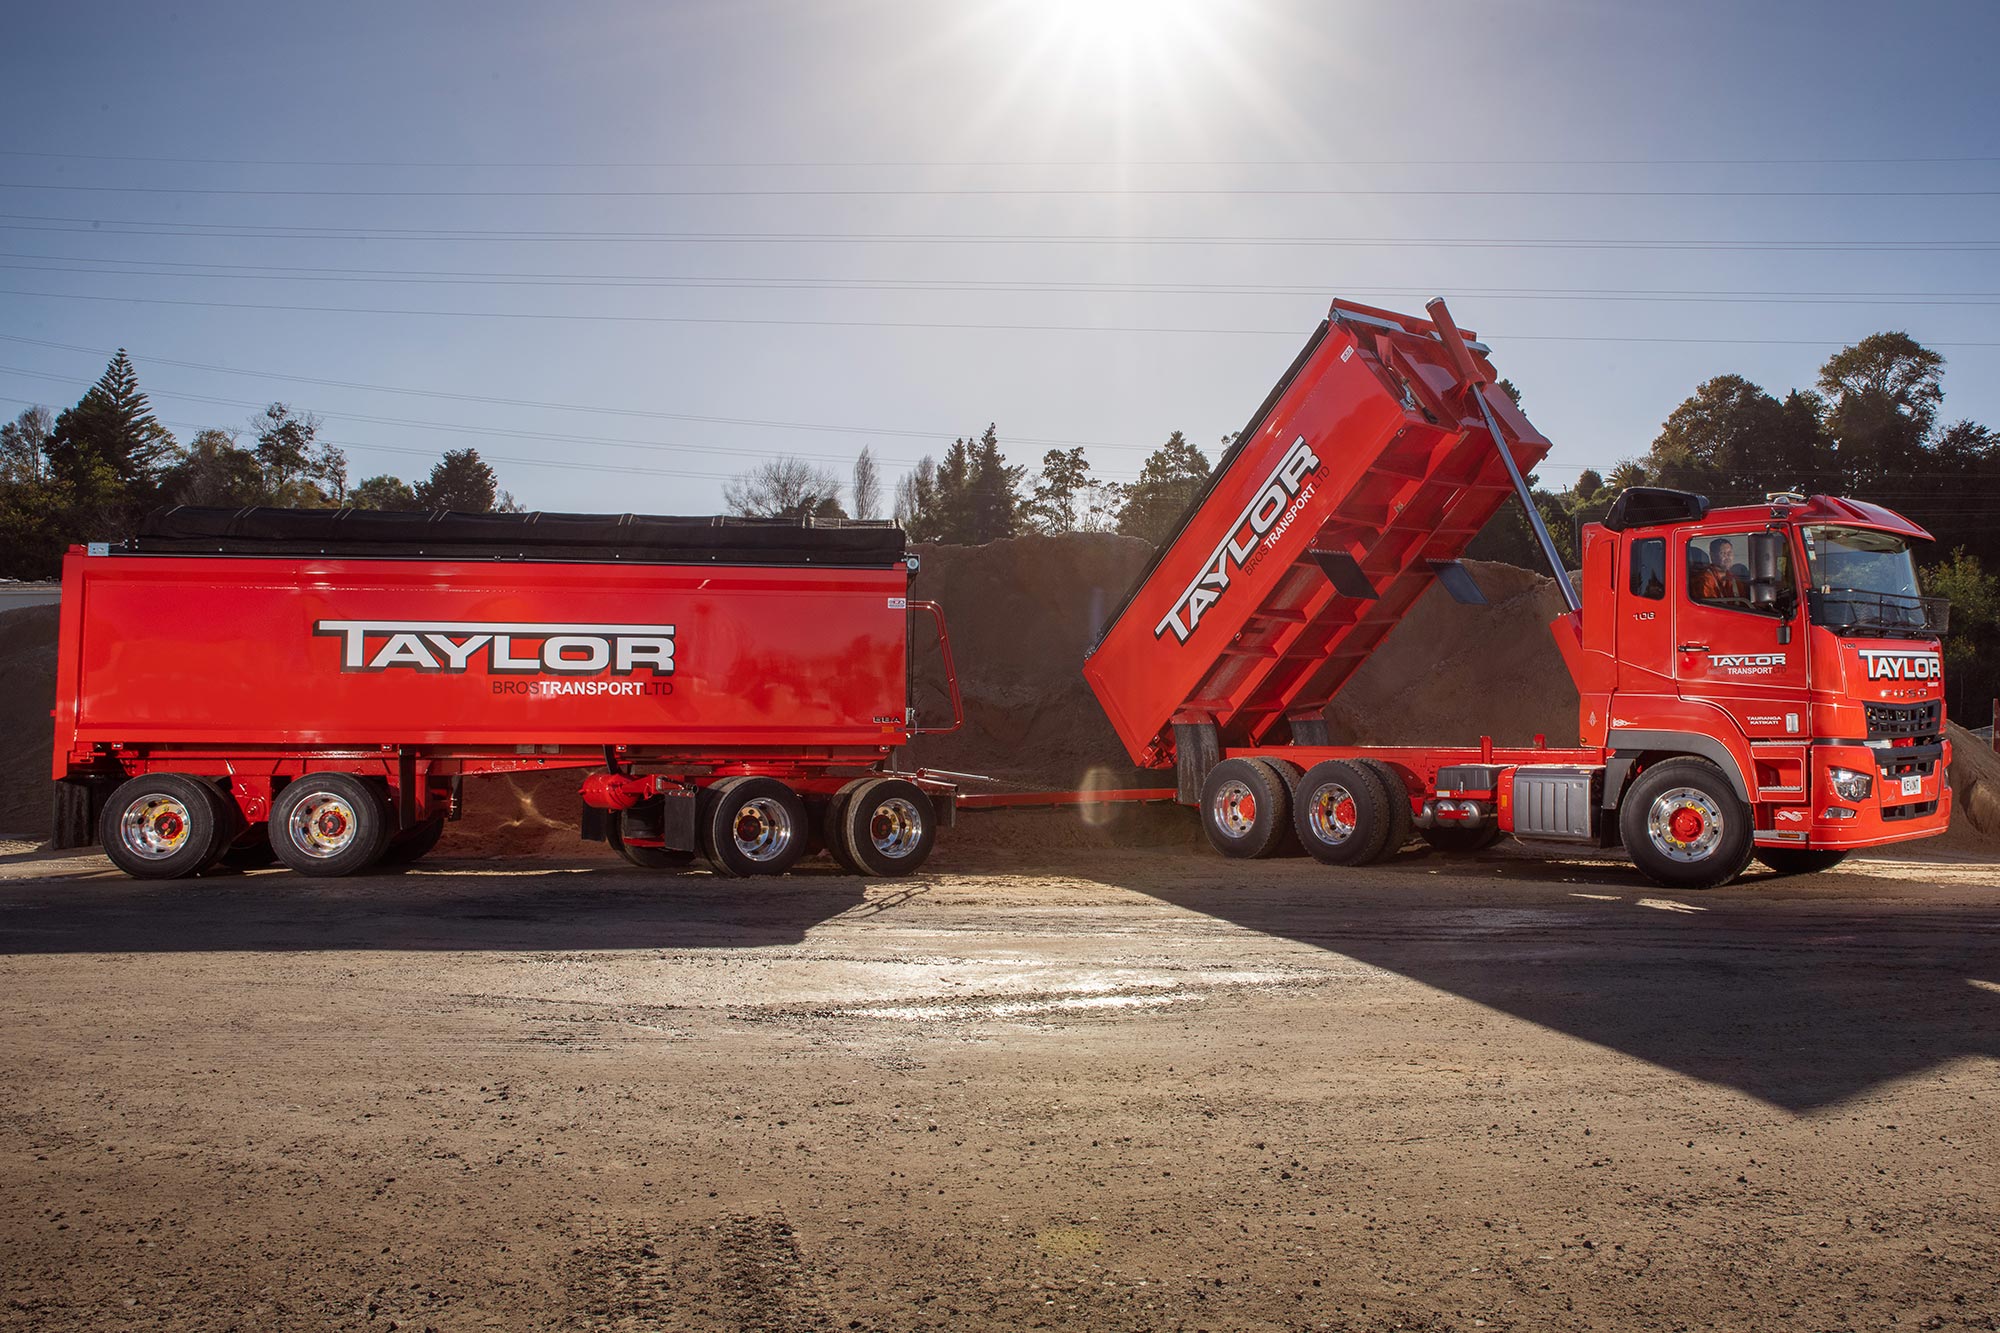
<point>1975,791</point>
<point>1022,614</point>
<point>27,733</point>
<point>1450,673</point>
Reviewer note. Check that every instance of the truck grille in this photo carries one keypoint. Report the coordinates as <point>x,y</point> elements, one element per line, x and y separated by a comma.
<point>1896,721</point>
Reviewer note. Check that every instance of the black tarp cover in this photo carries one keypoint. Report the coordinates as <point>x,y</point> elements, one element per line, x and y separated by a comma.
<point>446,535</point>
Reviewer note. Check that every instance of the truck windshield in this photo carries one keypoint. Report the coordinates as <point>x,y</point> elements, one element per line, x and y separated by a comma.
<point>1865,582</point>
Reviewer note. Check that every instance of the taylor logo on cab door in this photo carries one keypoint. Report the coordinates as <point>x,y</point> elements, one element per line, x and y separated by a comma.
<point>502,647</point>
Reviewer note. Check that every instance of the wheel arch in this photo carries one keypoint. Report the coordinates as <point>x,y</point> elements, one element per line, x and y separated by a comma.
<point>1632,748</point>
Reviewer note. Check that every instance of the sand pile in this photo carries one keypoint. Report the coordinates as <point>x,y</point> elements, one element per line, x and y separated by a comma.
<point>1975,789</point>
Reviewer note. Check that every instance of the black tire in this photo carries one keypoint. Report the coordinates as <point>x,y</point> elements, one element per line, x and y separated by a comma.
<point>414,844</point>
<point>887,827</point>
<point>329,824</point>
<point>753,826</point>
<point>1341,813</point>
<point>832,826</point>
<point>166,826</point>
<point>645,858</point>
<point>1712,844</point>
<point>1799,860</point>
<point>1461,840</point>
<point>1396,797</point>
<point>1245,808</point>
<point>1290,774</point>
<point>252,851</point>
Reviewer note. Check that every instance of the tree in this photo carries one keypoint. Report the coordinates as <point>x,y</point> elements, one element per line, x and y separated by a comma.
<point>111,435</point>
<point>954,495</point>
<point>461,480</point>
<point>214,471</point>
<point>867,486</point>
<point>1972,648</point>
<point>384,492</point>
<point>917,502</point>
<point>783,488</point>
<point>300,470</point>
<point>1883,395</point>
<point>1168,482</point>
<point>24,443</point>
<point>1063,492</point>
<point>1588,483</point>
<point>995,499</point>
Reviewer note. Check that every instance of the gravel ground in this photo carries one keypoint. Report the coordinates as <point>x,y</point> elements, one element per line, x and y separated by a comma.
<point>1102,1090</point>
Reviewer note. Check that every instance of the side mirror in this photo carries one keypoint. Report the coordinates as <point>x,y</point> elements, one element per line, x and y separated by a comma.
<point>1767,551</point>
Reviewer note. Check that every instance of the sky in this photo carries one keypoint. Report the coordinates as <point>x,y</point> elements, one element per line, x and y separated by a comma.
<point>629,249</point>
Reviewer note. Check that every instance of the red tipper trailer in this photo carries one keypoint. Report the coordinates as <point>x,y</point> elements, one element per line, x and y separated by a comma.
<point>314,685</point>
<point>1763,680</point>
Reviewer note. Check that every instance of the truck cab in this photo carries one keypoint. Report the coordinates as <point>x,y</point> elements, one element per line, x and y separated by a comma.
<point>1788,643</point>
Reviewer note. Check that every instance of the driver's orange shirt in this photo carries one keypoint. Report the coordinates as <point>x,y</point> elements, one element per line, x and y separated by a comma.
<point>1715,584</point>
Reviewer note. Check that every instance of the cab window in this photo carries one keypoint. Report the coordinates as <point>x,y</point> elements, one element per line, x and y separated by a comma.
<point>1649,567</point>
<point>1719,575</point>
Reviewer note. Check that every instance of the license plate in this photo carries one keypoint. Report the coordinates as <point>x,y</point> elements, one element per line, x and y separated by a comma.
<point>1913,785</point>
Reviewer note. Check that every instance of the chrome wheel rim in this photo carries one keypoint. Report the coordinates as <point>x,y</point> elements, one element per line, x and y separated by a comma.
<point>895,827</point>
<point>1332,814</point>
<point>322,825</point>
<point>762,829</point>
<point>154,827</point>
<point>1684,824</point>
<point>1234,808</point>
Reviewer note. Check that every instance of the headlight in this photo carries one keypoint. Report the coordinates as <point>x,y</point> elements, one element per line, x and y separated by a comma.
<point>1849,785</point>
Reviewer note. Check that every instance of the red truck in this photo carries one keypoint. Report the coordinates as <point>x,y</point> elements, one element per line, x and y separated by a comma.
<point>315,685</point>
<point>1762,680</point>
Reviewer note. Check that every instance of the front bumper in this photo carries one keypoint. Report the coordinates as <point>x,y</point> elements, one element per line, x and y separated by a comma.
<point>1911,799</point>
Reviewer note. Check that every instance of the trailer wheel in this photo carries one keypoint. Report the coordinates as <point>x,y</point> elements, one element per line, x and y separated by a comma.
<point>753,826</point>
<point>413,844</point>
<point>646,858</point>
<point>1799,860</point>
<point>1684,826</point>
<point>329,824</point>
<point>165,826</point>
<point>886,826</point>
<point>1245,808</point>
<point>1341,812</point>
<point>832,828</point>
<point>1461,840</point>
<point>1396,808</point>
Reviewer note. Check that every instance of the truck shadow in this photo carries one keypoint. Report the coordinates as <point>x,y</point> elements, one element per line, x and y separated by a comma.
<point>568,907</point>
<point>1800,993</point>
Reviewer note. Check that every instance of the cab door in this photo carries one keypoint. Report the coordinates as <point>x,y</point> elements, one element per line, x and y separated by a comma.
<point>1739,641</point>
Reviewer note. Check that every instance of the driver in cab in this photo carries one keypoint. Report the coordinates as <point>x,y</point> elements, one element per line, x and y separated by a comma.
<point>1719,582</point>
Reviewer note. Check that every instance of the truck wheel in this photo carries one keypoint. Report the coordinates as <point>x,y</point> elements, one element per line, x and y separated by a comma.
<point>1684,826</point>
<point>753,826</point>
<point>1799,860</point>
<point>329,824</point>
<point>1461,840</point>
<point>165,826</point>
<point>1245,808</point>
<point>1396,797</point>
<point>413,844</point>
<point>646,858</point>
<point>886,827</point>
<point>1341,813</point>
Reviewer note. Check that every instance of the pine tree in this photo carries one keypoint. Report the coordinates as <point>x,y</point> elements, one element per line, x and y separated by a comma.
<point>917,502</point>
<point>954,495</point>
<point>112,432</point>
<point>996,491</point>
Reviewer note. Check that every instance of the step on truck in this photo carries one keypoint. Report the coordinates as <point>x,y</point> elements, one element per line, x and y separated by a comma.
<point>315,686</point>
<point>1759,680</point>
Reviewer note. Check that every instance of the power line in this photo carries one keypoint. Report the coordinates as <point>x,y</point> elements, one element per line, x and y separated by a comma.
<point>450,278</point>
<point>968,326</point>
<point>317,232</point>
<point>984,192</point>
<point>1010,164</point>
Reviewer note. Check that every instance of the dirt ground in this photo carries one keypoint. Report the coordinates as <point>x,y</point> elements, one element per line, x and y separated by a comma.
<point>1096,1089</point>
